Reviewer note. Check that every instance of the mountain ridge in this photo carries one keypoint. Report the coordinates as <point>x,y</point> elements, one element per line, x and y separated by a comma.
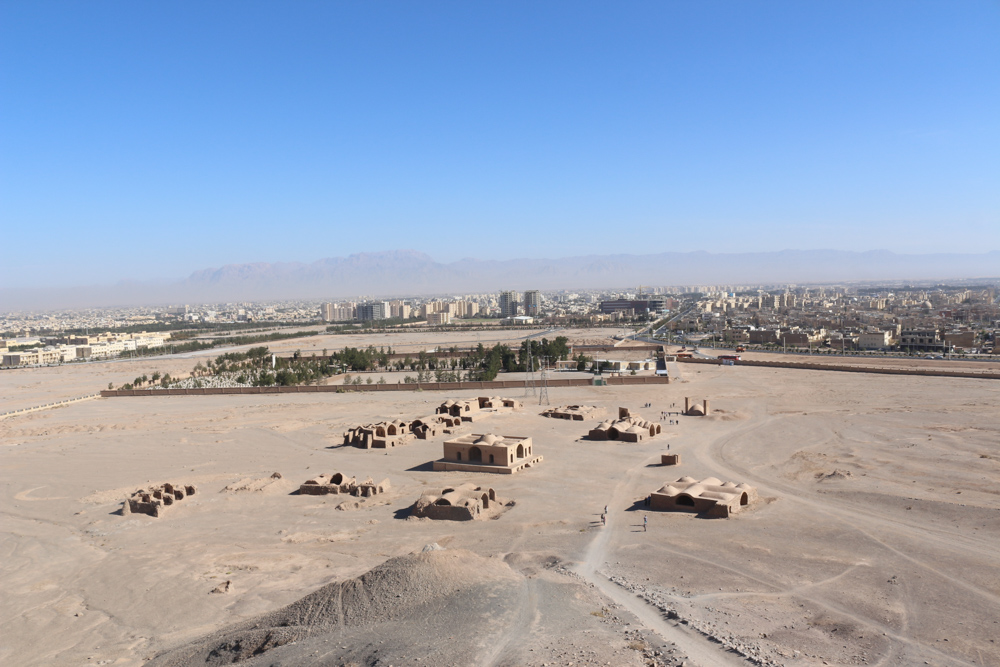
<point>412,273</point>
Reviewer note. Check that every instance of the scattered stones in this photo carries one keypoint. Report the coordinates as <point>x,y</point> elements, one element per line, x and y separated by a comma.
<point>223,588</point>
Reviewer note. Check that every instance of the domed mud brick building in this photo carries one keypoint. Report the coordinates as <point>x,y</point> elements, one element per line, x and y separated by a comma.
<point>478,452</point>
<point>710,497</point>
<point>628,428</point>
<point>461,503</point>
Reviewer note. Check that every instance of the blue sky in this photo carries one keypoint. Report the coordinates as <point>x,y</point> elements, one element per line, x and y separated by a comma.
<point>148,140</point>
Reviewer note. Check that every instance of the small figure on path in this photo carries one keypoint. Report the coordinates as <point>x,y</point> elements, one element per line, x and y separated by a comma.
<point>645,520</point>
<point>604,519</point>
<point>605,509</point>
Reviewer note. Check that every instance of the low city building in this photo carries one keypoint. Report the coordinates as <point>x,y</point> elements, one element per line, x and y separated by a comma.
<point>874,340</point>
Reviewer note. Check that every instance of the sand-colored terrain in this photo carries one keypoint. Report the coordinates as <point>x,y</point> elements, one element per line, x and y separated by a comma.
<point>874,540</point>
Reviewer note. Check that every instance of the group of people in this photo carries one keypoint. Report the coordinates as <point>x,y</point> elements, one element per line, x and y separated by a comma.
<point>645,517</point>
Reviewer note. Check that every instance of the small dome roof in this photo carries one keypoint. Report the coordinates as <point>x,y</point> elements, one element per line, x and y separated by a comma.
<point>488,439</point>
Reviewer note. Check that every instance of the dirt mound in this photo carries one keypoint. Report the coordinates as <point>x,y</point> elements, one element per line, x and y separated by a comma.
<point>344,621</point>
<point>727,416</point>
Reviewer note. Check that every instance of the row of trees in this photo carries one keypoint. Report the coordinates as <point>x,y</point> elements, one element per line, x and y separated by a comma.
<point>254,366</point>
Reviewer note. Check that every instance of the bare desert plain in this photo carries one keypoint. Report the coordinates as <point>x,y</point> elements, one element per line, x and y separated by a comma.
<point>874,540</point>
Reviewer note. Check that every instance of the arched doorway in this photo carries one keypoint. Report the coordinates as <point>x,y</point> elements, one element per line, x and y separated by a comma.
<point>743,498</point>
<point>520,451</point>
<point>475,454</point>
<point>685,501</point>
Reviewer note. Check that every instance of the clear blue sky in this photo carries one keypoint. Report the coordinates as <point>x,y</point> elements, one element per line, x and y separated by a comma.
<point>146,140</point>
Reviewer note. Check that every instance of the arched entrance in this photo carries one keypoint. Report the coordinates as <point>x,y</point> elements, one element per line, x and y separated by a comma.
<point>520,451</point>
<point>685,501</point>
<point>475,454</point>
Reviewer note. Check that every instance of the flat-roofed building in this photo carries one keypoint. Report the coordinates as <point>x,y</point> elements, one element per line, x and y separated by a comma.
<point>374,310</point>
<point>508,304</point>
<point>532,303</point>
<point>437,319</point>
<point>874,340</point>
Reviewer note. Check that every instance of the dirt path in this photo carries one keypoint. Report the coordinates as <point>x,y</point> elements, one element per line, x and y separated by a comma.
<point>506,650</point>
<point>698,648</point>
<point>862,521</point>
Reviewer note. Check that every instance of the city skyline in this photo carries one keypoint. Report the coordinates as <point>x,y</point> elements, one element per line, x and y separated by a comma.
<point>145,142</point>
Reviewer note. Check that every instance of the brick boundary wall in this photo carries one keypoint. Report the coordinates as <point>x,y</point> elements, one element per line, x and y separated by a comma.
<point>467,352</point>
<point>648,347</point>
<point>426,386</point>
<point>849,369</point>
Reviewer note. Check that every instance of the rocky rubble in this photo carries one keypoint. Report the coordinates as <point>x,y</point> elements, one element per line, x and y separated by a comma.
<point>752,652</point>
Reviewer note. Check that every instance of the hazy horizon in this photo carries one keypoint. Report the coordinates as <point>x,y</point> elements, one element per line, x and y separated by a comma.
<point>148,142</point>
<point>412,273</point>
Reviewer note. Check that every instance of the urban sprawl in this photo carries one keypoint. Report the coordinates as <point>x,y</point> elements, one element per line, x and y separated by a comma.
<point>901,319</point>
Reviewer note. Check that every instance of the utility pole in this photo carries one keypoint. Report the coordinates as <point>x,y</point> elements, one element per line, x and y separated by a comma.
<point>529,378</point>
<point>543,397</point>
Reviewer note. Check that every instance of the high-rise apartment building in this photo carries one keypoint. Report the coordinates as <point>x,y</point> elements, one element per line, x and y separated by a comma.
<point>508,304</point>
<point>532,303</point>
<point>326,312</point>
<point>375,310</point>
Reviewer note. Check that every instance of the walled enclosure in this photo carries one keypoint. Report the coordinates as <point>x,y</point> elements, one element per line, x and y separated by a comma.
<point>337,483</point>
<point>152,501</point>
<point>710,497</point>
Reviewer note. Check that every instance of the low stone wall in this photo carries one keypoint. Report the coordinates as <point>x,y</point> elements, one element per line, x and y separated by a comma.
<point>851,369</point>
<point>36,408</point>
<point>426,386</point>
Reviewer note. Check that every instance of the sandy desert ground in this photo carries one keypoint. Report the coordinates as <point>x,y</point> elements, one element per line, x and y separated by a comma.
<point>875,539</point>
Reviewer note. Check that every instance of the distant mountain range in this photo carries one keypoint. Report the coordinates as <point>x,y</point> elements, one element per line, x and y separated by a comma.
<point>406,272</point>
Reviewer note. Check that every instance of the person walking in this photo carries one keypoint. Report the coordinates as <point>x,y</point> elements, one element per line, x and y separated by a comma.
<point>645,521</point>
<point>604,519</point>
<point>605,509</point>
